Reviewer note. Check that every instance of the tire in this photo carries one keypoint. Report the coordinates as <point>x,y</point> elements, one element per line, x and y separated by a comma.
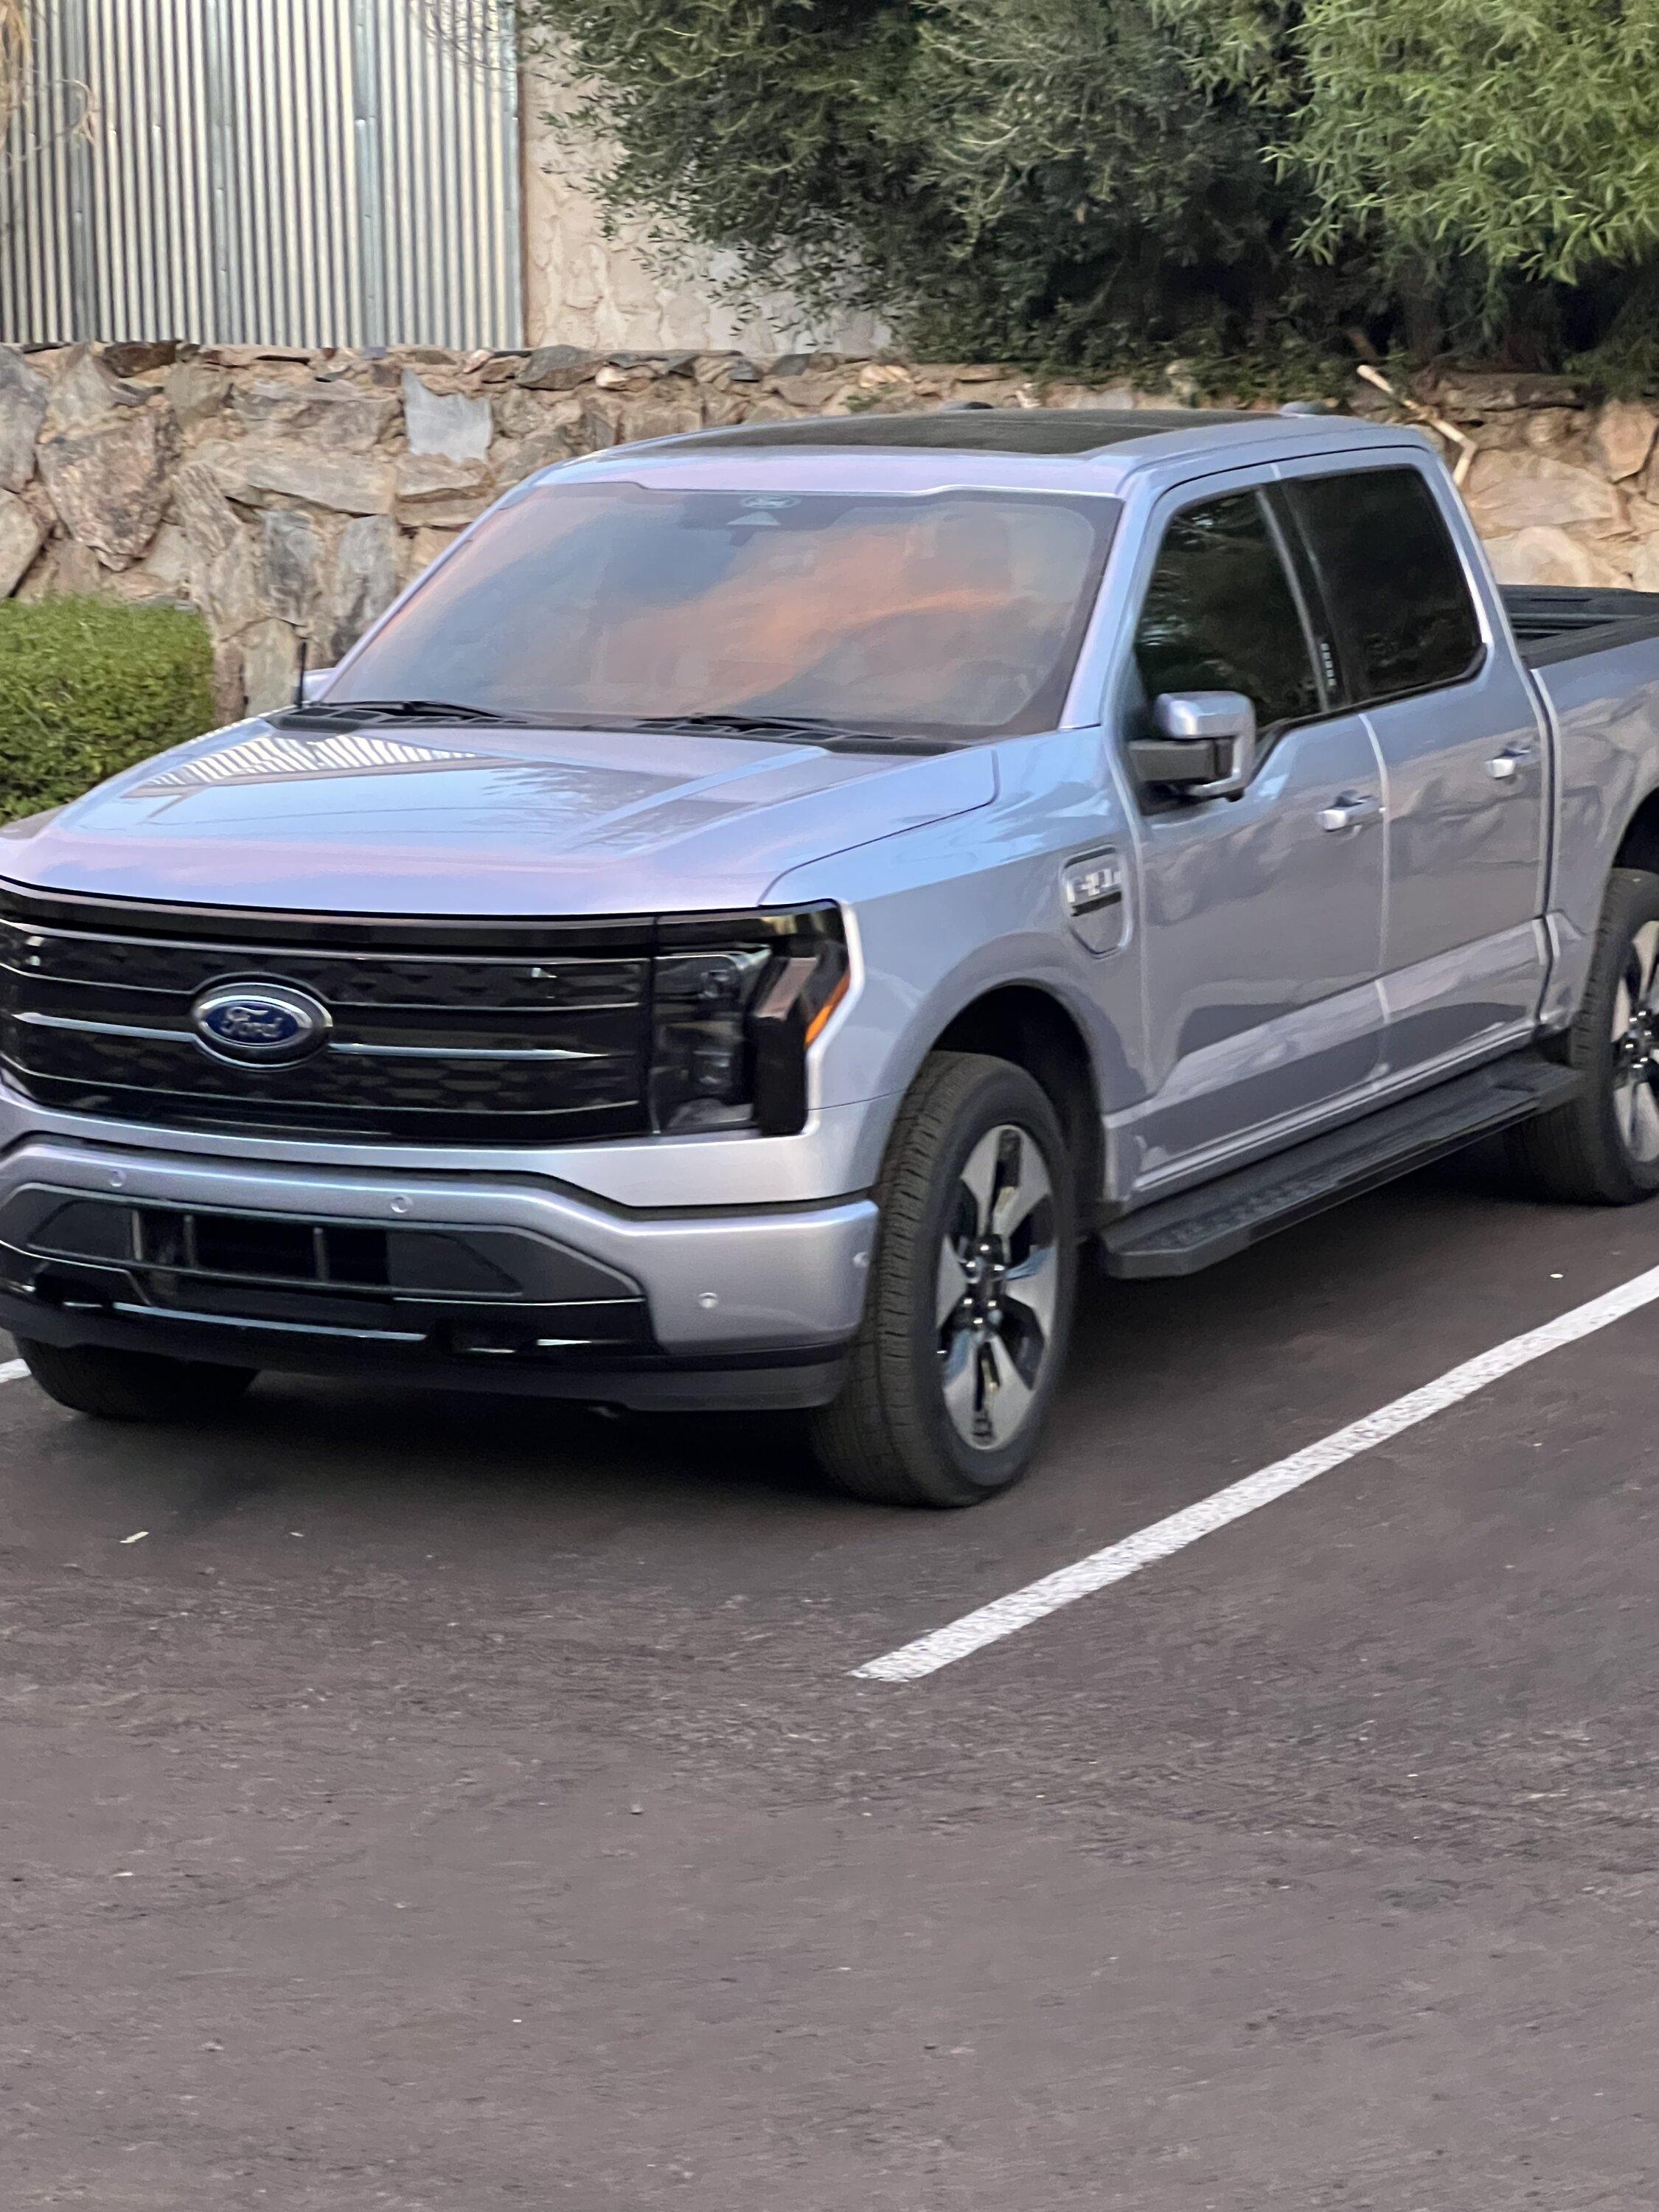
<point>1603,1149</point>
<point>133,1386</point>
<point>973,1280</point>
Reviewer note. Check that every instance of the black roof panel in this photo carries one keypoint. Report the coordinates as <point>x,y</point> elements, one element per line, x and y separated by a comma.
<point>977,430</point>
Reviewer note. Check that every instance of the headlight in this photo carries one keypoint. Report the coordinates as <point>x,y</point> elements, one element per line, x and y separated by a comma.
<point>737,1001</point>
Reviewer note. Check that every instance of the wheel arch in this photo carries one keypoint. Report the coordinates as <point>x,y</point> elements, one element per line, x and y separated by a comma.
<point>1029,1025</point>
<point>1638,847</point>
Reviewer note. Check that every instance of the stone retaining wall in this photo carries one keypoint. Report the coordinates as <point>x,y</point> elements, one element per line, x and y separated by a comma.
<point>291,496</point>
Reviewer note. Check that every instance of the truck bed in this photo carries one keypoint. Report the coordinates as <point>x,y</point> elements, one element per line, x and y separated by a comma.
<point>1554,622</point>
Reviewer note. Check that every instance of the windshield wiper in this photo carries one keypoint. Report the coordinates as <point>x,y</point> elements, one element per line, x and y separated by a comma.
<point>814,729</point>
<point>324,713</point>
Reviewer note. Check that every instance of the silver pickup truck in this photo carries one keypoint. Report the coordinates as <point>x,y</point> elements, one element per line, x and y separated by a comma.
<point>765,900</point>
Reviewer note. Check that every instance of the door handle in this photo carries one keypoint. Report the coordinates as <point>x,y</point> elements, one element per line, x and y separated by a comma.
<point>1352,811</point>
<point>1509,764</point>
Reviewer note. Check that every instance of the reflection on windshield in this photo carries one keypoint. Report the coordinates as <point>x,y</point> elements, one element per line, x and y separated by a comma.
<point>954,613</point>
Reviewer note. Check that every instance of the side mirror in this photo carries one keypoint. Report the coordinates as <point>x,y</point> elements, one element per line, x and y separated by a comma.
<point>310,684</point>
<point>1206,743</point>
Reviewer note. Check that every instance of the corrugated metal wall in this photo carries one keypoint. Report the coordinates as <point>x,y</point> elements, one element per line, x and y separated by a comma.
<point>266,172</point>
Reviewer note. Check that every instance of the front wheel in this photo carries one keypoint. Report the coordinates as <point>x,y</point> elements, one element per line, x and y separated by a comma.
<point>969,1308</point>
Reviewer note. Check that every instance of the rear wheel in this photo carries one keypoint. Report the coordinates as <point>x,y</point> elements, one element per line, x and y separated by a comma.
<point>1603,1148</point>
<point>969,1310</point>
<point>132,1386</point>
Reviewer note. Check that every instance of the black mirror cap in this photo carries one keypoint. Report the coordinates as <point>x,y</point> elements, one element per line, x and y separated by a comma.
<point>1179,760</point>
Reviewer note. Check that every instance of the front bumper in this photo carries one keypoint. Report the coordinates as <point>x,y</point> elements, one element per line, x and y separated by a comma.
<point>491,1281</point>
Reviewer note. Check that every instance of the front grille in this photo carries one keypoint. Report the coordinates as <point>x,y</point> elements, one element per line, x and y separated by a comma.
<point>442,1033</point>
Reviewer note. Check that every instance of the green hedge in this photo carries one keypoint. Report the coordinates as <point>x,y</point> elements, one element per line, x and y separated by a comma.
<point>87,687</point>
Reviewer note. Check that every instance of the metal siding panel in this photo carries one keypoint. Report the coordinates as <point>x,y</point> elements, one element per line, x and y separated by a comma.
<point>81,234</point>
<point>287,119</point>
<point>334,291</point>
<point>368,164</point>
<point>332,287</point>
<point>123,275</point>
<point>194,276</point>
<point>446,153</point>
<point>463,307</point>
<point>461,301</point>
<point>250,245</point>
<point>343,173</point>
<point>94,208</point>
<point>427,257</point>
<point>317,202</point>
<point>254,245</point>
<point>43,289</point>
<point>507,228</point>
<point>269,121</point>
<point>394,100</point>
<point>295,173</point>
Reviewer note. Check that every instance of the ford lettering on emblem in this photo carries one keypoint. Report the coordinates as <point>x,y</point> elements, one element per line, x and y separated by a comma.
<point>259,1025</point>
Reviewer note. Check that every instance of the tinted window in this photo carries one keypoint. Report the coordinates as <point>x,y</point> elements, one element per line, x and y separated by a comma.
<point>1220,616</point>
<point>954,613</point>
<point>1393,578</point>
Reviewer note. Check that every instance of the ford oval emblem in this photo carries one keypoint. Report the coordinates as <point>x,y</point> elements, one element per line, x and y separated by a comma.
<point>259,1025</point>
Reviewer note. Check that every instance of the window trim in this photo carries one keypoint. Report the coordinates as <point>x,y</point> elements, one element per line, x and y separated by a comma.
<point>1318,616</point>
<point>1354,699</point>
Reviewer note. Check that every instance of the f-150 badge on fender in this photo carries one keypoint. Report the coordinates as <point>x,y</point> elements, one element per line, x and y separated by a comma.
<point>1092,887</point>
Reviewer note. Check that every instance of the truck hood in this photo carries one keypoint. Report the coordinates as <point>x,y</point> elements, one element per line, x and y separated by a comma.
<point>447,821</point>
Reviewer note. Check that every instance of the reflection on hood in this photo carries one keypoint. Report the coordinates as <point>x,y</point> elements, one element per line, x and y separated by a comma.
<point>269,759</point>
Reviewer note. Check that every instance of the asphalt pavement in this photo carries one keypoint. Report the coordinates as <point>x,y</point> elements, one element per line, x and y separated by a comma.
<point>451,1805</point>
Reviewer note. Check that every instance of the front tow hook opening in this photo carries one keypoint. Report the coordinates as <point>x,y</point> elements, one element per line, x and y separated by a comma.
<point>71,1290</point>
<point>484,1339</point>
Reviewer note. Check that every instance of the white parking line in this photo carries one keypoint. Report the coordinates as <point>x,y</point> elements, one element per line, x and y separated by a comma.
<point>11,1369</point>
<point>1021,1607</point>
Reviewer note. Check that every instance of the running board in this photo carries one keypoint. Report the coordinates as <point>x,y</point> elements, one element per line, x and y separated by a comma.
<point>1179,1235</point>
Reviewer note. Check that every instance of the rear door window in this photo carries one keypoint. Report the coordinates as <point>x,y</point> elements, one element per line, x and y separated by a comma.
<point>1220,614</point>
<point>1396,588</point>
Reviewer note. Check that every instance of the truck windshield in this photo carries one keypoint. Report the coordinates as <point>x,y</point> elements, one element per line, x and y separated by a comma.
<point>954,614</point>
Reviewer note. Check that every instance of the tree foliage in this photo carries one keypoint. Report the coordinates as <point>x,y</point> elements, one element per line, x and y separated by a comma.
<point>1050,180</point>
<point>1518,132</point>
<point>1097,180</point>
<point>1097,199</point>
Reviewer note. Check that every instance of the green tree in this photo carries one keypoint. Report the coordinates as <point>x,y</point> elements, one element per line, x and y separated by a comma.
<point>1496,157</point>
<point>1051,181</point>
<point>1101,181</point>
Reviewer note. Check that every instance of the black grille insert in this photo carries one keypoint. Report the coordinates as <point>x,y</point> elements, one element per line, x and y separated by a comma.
<point>486,1033</point>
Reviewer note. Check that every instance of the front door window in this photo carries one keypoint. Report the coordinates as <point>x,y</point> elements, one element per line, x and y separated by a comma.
<point>1220,614</point>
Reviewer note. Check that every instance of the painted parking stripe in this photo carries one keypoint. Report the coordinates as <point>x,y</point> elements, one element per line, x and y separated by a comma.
<point>11,1369</point>
<point>1021,1607</point>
